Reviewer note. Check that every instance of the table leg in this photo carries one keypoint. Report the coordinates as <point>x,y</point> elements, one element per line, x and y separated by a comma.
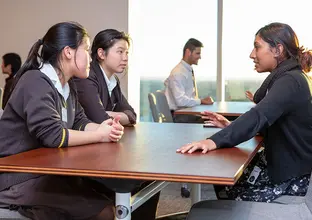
<point>122,205</point>
<point>195,193</point>
<point>145,194</point>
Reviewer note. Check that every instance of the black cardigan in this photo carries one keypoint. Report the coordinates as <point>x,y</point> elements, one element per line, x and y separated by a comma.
<point>285,114</point>
<point>94,97</point>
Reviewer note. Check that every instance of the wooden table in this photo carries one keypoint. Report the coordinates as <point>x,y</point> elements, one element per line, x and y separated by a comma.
<point>223,108</point>
<point>146,151</point>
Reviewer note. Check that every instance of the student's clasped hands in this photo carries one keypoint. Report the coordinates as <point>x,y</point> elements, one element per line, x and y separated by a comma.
<point>111,130</point>
<point>205,145</point>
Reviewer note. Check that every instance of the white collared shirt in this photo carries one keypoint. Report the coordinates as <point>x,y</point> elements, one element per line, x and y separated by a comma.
<point>110,82</point>
<point>50,72</point>
<point>179,87</point>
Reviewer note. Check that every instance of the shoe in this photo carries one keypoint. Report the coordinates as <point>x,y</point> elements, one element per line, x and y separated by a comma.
<point>185,192</point>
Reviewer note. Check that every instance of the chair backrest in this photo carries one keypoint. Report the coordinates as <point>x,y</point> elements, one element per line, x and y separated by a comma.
<point>308,197</point>
<point>159,107</point>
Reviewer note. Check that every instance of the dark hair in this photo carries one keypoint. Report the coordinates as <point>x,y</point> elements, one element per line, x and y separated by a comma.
<point>191,44</point>
<point>279,33</point>
<point>106,39</point>
<point>13,59</point>
<point>54,41</point>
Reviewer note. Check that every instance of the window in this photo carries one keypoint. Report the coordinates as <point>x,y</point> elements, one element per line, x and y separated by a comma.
<point>241,20</point>
<point>159,30</point>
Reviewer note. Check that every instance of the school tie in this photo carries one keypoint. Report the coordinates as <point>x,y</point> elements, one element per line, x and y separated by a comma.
<point>194,83</point>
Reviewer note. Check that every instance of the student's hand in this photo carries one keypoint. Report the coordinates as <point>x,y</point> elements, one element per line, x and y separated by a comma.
<point>108,122</point>
<point>204,145</point>
<point>104,130</point>
<point>207,101</point>
<point>124,120</point>
<point>117,131</point>
<point>249,95</point>
<point>215,119</point>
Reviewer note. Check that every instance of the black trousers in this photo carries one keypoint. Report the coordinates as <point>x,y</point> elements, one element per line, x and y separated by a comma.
<point>108,187</point>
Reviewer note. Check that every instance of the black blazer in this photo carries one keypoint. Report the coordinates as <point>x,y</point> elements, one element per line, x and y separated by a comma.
<point>94,97</point>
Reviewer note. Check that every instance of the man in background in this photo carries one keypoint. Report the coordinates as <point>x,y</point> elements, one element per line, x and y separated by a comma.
<point>180,86</point>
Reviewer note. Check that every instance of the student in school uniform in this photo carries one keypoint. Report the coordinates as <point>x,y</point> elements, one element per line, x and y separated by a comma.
<point>43,111</point>
<point>101,97</point>
<point>100,94</point>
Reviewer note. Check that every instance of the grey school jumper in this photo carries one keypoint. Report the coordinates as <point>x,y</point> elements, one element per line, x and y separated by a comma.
<point>32,119</point>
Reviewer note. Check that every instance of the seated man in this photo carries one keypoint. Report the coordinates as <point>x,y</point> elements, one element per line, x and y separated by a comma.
<point>180,86</point>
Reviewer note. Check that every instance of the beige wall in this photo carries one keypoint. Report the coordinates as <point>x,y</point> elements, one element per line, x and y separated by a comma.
<point>23,22</point>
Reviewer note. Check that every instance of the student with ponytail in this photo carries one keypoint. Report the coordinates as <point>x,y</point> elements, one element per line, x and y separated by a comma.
<point>283,114</point>
<point>43,111</point>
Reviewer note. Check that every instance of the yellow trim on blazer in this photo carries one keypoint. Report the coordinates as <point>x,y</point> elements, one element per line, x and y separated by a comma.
<point>63,138</point>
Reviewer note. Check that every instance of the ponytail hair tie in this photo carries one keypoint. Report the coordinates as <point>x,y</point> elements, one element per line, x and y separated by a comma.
<point>40,41</point>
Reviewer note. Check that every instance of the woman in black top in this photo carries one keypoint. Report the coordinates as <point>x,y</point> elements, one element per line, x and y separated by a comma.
<point>283,114</point>
<point>100,94</point>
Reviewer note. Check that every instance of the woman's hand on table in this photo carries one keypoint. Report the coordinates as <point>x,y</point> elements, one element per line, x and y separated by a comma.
<point>204,145</point>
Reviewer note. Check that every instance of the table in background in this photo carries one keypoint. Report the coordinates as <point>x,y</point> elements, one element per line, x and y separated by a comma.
<point>224,108</point>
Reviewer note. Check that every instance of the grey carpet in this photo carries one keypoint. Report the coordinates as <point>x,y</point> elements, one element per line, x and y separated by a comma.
<point>171,202</point>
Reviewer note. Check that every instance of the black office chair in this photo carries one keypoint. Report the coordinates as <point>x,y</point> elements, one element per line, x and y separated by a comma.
<point>159,107</point>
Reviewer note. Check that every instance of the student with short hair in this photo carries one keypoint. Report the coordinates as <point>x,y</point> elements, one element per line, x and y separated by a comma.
<point>43,111</point>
